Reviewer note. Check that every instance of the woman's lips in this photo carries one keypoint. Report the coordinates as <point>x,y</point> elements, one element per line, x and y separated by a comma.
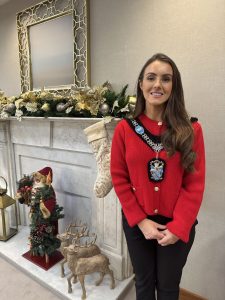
<point>156,94</point>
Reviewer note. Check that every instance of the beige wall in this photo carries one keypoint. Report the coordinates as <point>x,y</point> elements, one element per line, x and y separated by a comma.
<point>9,54</point>
<point>124,33</point>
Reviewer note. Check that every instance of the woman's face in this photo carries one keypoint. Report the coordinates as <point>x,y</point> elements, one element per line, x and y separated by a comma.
<point>157,83</point>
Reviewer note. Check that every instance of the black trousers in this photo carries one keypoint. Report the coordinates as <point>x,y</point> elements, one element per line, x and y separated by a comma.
<point>157,268</point>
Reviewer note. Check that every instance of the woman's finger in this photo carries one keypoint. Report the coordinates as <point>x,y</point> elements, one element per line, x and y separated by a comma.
<point>163,241</point>
<point>159,226</point>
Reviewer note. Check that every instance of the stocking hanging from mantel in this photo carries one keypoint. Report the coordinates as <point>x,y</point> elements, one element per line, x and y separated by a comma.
<point>101,146</point>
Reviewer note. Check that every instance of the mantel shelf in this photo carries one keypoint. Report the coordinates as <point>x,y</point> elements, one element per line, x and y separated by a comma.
<point>89,120</point>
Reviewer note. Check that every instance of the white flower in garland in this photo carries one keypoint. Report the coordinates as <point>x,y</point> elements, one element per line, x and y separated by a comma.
<point>115,104</point>
<point>19,114</point>
<point>4,115</point>
<point>68,110</point>
<point>125,109</point>
<point>31,106</point>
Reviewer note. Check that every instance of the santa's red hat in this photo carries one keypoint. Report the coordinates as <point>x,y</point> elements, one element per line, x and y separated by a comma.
<point>47,172</point>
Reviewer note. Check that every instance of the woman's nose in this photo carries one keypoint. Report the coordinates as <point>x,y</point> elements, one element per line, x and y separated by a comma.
<point>157,82</point>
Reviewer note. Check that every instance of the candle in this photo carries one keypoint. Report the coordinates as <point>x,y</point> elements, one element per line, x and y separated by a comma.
<point>6,223</point>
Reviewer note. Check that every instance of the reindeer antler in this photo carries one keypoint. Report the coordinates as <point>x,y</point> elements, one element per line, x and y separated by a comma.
<point>76,231</point>
<point>68,228</point>
<point>86,245</point>
<point>71,226</point>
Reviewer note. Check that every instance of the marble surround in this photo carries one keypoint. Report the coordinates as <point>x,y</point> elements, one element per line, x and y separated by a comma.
<point>33,143</point>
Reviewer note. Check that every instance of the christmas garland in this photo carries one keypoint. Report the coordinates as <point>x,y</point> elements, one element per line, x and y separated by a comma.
<point>99,101</point>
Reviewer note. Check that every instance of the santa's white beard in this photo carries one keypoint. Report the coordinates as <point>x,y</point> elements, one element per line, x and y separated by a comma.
<point>38,185</point>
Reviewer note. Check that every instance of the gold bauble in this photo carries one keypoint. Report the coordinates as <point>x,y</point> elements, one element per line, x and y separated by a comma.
<point>45,107</point>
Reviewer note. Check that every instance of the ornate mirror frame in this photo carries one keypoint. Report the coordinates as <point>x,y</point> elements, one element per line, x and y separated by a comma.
<point>45,11</point>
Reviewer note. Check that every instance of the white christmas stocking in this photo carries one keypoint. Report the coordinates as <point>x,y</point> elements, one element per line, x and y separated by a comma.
<point>98,139</point>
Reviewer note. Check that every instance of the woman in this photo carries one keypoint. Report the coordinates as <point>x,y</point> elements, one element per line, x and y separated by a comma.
<point>158,172</point>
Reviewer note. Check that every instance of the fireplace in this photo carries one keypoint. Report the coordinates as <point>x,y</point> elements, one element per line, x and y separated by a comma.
<point>33,143</point>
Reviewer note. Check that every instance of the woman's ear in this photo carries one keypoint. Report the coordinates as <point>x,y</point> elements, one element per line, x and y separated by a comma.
<point>140,84</point>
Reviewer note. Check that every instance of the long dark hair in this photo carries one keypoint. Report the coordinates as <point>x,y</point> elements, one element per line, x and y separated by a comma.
<point>179,135</point>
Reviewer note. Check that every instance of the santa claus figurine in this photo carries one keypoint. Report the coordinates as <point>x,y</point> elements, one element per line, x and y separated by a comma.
<point>41,180</point>
<point>37,192</point>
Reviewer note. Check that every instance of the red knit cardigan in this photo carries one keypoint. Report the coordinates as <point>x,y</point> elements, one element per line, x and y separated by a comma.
<point>178,196</point>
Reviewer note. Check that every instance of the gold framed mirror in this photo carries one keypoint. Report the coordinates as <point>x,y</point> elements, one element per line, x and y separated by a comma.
<point>53,40</point>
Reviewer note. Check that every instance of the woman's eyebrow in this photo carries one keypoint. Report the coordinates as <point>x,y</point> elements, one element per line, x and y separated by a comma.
<point>166,74</point>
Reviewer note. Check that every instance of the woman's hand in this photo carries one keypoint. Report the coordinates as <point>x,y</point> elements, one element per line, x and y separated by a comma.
<point>168,238</point>
<point>150,229</point>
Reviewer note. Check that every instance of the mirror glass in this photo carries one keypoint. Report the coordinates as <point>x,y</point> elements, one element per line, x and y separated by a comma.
<point>51,52</point>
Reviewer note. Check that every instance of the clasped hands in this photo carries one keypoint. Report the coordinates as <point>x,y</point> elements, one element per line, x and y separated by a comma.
<point>153,230</point>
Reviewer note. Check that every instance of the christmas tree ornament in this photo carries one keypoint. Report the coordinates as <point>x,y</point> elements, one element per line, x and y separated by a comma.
<point>104,109</point>
<point>98,139</point>
<point>45,107</point>
<point>10,108</point>
<point>60,107</point>
<point>132,103</point>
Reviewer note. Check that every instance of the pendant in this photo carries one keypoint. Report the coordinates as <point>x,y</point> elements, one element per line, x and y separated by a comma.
<point>139,129</point>
<point>156,169</point>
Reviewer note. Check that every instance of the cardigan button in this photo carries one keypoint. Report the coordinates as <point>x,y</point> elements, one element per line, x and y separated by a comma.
<point>160,123</point>
<point>133,188</point>
<point>156,188</point>
<point>156,211</point>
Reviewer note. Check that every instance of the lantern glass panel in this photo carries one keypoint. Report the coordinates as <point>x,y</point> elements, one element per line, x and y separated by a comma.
<point>8,216</point>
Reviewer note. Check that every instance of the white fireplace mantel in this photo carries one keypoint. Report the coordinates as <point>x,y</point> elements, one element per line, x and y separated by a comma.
<point>33,143</point>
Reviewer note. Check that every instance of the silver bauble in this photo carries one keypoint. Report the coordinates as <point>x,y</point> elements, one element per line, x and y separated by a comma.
<point>62,106</point>
<point>104,109</point>
<point>10,108</point>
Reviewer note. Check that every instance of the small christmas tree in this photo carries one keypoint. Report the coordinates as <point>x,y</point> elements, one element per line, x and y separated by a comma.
<point>37,192</point>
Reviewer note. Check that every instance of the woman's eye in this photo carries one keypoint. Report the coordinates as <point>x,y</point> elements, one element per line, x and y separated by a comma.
<point>166,79</point>
<point>151,78</point>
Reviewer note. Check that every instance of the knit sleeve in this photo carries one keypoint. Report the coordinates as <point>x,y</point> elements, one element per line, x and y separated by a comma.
<point>121,180</point>
<point>191,194</point>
